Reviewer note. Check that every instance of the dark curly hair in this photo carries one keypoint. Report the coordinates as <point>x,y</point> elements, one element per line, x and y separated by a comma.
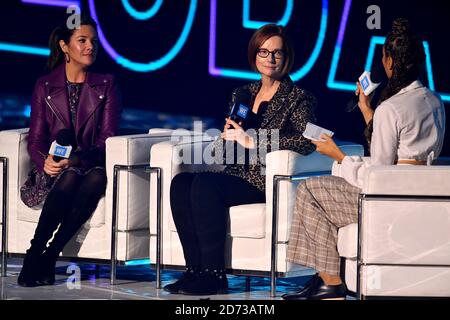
<point>408,55</point>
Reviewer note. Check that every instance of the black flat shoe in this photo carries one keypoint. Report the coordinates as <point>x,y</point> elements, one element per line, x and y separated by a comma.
<point>207,282</point>
<point>188,275</point>
<point>316,289</point>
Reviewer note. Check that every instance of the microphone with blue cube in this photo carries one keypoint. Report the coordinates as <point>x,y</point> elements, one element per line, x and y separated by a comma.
<point>367,85</point>
<point>61,148</point>
<point>241,106</point>
<point>369,81</point>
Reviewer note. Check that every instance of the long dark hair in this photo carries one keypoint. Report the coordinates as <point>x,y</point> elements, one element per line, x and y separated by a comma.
<point>408,55</point>
<point>62,32</point>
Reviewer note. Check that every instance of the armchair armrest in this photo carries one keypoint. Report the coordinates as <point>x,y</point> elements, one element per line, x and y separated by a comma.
<point>13,145</point>
<point>290,163</point>
<point>173,157</point>
<point>350,149</point>
<point>133,205</point>
<point>407,180</point>
<point>336,169</point>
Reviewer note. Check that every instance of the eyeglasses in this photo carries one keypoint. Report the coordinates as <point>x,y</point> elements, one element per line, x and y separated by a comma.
<point>264,53</point>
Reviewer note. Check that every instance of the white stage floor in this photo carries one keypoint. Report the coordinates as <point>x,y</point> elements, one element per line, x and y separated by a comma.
<point>134,283</point>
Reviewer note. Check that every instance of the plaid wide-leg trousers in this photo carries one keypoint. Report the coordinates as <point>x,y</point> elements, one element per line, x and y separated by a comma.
<point>323,205</point>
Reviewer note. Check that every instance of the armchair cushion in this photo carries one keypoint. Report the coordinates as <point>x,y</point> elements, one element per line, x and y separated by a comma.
<point>246,215</point>
<point>133,202</point>
<point>348,241</point>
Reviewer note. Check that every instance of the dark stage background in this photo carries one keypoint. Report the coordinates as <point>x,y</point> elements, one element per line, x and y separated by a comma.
<point>197,82</point>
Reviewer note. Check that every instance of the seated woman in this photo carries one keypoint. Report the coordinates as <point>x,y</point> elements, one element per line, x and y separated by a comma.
<point>408,128</point>
<point>200,201</point>
<point>85,105</point>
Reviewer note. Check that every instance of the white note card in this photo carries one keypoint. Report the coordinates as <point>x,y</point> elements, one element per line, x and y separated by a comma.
<point>313,132</point>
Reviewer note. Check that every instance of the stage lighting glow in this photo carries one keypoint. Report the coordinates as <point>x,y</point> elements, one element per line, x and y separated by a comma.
<point>249,75</point>
<point>27,110</point>
<point>53,3</point>
<point>214,70</point>
<point>137,262</point>
<point>332,83</point>
<point>142,15</point>
<point>18,48</point>
<point>251,24</point>
<point>152,65</point>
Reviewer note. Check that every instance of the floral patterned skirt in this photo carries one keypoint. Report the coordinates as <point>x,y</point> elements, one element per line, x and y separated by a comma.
<point>38,185</point>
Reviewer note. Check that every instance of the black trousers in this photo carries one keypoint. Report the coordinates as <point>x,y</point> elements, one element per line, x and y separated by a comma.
<point>69,205</point>
<point>200,203</point>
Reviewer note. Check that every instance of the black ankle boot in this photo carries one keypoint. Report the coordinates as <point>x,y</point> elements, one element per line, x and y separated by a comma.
<point>188,275</point>
<point>47,263</point>
<point>28,274</point>
<point>208,281</point>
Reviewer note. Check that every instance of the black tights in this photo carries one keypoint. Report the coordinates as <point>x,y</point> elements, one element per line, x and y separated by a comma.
<point>69,205</point>
<point>200,203</point>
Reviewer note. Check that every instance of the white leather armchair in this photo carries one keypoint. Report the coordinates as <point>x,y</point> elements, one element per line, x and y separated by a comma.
<point>402,244</point>
<point>97,239</point>
<point>250,249</point>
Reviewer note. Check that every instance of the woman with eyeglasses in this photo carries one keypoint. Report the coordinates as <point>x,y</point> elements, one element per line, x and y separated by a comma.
<point>279,111</point>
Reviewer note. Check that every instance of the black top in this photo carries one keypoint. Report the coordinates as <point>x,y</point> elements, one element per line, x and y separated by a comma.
<point>73,91</point>
<point>254,120</point>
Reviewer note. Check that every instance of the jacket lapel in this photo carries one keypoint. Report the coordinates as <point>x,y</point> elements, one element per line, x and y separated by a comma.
<point>56,95</point>
<point>92,95</point>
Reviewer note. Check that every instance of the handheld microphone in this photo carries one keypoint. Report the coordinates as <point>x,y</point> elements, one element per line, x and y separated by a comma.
<point>369,83</point>
<point>241,105</point>
<point>61,147</point>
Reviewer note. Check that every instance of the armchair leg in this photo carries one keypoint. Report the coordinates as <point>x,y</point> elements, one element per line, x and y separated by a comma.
<point>248,283</point>
<point>4,261</point>
<point>274,240</point>
<point>114,220</point>
<point>158,225</point>
<point>342,269</point>
<point>114,227</point>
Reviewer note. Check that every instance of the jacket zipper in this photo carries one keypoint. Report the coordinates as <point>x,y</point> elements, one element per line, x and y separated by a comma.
<point>51,108</point>
<point>94,131</point>
<point>43,155</point>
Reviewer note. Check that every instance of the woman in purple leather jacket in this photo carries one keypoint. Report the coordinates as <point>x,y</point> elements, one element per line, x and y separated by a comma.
<point>87,105</point>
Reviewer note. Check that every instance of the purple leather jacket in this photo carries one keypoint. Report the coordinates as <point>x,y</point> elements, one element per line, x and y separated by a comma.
<point>98,116</point>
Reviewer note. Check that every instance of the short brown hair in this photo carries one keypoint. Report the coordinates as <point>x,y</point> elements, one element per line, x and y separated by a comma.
<point>261,35</point>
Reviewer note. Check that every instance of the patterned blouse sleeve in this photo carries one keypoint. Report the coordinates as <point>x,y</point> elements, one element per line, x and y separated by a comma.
<point>290,137</point>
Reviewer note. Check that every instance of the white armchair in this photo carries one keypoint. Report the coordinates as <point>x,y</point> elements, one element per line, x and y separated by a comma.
<point>250,249</point>
<point>97,239</point>
<point>401,246</point>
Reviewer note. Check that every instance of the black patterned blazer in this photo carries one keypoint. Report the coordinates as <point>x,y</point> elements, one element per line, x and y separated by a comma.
<point>288,111</point>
